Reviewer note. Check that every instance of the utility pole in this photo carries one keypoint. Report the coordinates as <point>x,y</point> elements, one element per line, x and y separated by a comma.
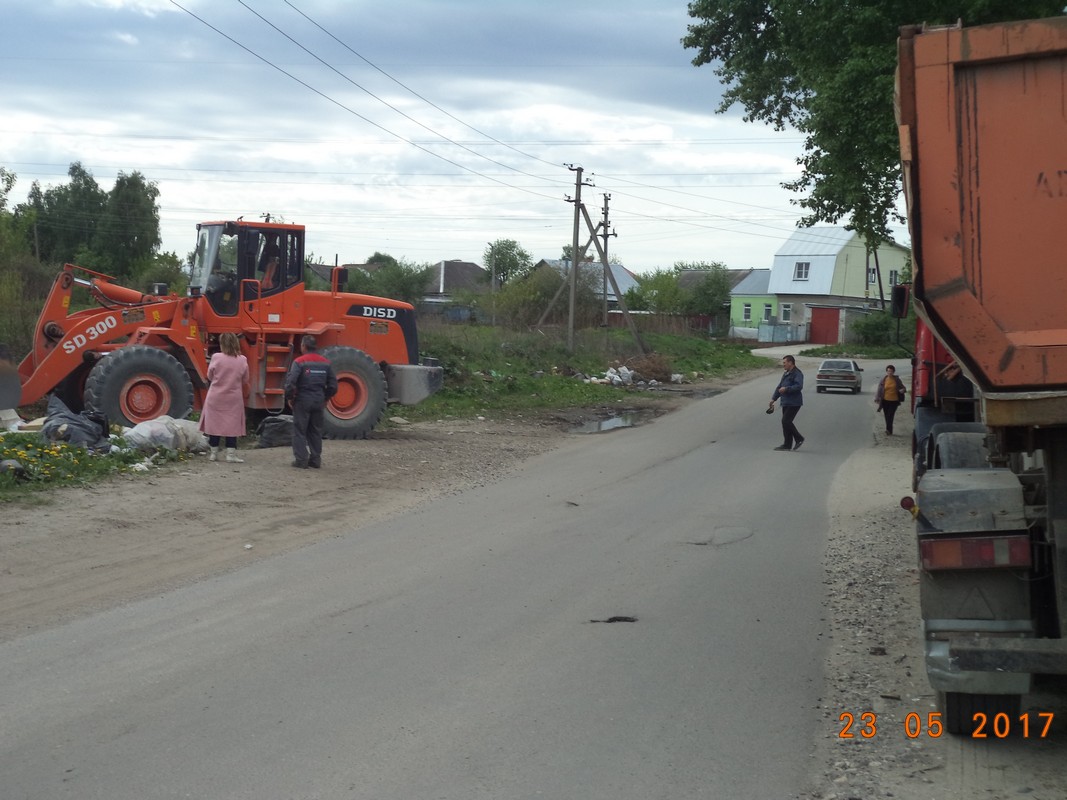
<point>574,253</point>
<point>605,233</point>
<point>492,283</point>
<point>614,285</point>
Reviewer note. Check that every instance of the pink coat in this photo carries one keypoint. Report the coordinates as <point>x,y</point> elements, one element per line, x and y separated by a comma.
<point>224,407</point>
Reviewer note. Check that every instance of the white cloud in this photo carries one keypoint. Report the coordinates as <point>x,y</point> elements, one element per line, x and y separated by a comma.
<point>521,90</point>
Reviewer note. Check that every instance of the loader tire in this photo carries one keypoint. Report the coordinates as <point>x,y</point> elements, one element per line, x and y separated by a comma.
<point>361,395</point>
<point>139,383</point>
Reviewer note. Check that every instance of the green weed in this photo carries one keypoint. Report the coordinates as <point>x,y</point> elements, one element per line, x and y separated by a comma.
<point>490,369</point>
<point>49,464</point>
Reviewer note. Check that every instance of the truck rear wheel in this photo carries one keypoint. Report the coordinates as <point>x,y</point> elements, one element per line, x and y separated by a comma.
<point>361,395</point>
<point>139,383</point>
<point>967,713</point>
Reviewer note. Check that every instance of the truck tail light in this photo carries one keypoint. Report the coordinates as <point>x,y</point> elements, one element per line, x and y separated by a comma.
<point>975,552</point>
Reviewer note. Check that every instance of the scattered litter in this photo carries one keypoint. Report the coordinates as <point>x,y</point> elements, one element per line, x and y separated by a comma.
<point>10,465</point>
<point>87,429</point>
<point>275,431</point>
<point>248,547</point>
<point>166,432</point>
<point>10,420</point>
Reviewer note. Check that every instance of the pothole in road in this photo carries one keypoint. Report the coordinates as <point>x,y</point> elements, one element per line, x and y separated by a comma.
<point>627,419</point>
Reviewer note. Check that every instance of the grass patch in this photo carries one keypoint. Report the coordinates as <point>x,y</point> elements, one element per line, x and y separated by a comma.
<point>489,369</point>
<point>859,351</point>
<point>46,465</point>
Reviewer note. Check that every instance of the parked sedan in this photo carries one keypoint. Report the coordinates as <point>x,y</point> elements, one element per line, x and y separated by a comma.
<point>839,373</point>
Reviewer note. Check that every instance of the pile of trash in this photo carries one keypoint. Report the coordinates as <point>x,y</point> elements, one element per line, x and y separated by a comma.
<point>624,376</point>
<point>168,433</point>
<point>91,430</point>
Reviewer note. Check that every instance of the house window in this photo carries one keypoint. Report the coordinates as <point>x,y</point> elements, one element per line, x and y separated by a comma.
<point>800,270</point>
<point>766,312</point>
<point>872,275</point>
<point>785,312</point>
<point>746,314</point>
<point>894,277</point>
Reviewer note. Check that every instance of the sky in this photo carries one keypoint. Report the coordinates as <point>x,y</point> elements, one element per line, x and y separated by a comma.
<point>424,129</point>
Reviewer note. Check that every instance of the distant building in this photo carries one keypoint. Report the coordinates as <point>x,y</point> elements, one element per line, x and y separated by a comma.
<point>625,279</point>
<point>822,278</point>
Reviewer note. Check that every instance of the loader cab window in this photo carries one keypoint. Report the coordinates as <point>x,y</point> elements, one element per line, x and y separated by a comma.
<point>215,269</point>
<point>274,259</point>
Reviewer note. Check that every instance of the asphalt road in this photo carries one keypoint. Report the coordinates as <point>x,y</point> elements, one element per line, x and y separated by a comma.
<point>450,652</point>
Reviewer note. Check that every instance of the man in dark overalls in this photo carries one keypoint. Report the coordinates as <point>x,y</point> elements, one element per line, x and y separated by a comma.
<point>309,383</point>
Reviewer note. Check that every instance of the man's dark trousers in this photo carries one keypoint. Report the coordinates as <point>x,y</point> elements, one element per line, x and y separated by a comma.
<point>789,430</point>
<point>307,433</point>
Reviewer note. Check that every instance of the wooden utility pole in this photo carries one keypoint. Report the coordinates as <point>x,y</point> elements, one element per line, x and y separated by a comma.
<point>574,254</point>
<point>615,286</point>
<point>605,233</point>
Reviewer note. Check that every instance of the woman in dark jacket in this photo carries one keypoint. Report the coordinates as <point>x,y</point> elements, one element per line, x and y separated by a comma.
<point>889,396</point>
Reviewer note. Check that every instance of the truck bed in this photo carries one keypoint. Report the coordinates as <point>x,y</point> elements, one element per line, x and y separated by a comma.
<point>990,239</point>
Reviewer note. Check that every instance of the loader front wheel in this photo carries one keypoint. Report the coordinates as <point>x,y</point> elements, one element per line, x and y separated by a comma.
<point>139,383</point>
<point>361,395</point>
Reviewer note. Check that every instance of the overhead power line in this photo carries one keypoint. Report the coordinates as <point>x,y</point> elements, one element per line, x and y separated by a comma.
<point>342,106</point>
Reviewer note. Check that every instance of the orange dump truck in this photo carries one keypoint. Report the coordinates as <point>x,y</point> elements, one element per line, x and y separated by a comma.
<point>982,116</point>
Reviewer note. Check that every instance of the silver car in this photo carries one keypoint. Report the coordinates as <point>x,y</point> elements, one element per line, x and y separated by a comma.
<point>839,373</point>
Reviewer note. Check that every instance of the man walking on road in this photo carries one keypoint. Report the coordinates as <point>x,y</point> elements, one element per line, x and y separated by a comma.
<point>309,383</point>
<point>790,390</point>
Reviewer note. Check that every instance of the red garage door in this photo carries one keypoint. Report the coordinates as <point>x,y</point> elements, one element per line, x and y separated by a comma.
<point>824,325</point>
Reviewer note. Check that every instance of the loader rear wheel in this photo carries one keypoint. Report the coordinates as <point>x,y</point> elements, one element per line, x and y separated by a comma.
<point>965,713</point>
<point>139,383</point>
<point>361,396</point>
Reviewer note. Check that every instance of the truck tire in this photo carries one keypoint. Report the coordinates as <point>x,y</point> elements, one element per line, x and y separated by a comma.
<point>961,709</point>
<point>361,395</point>
<point>139,383</point>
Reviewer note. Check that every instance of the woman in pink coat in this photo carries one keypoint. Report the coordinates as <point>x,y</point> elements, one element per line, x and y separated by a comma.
<point>223,414</point>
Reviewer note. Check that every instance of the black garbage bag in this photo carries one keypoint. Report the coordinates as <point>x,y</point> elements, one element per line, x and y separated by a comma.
<point>275,431</point>
<point>88,429</point>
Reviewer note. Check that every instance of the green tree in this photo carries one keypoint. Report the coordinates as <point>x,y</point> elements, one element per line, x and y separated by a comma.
<point>659,291</point>
<point>128,231</point>
<point>507,260</point>
<point>13,239</point>
<point>711,292</point>
<point>400,280</point>
<point>522,301</point>
<point>67,216</point>
<point>827,69</point>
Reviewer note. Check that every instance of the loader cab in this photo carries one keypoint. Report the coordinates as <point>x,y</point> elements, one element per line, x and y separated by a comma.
<point>229,254</point>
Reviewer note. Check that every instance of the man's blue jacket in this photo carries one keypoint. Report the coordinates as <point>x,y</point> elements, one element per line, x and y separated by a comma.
<point>793,381</point>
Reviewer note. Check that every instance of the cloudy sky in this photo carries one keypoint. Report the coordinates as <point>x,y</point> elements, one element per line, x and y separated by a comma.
<point>420,128</point>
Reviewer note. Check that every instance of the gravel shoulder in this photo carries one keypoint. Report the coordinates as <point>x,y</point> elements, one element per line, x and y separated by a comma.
<point>874,663</point>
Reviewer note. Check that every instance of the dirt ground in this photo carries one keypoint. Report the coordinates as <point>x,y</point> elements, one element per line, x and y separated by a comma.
<point>75,551</point>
